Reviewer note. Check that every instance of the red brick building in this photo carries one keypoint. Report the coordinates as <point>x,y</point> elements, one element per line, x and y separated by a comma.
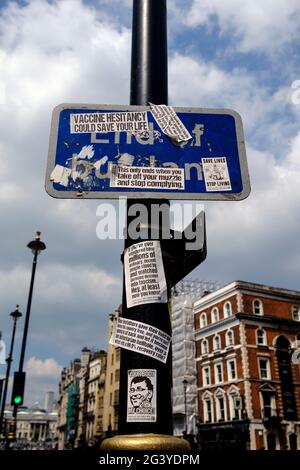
<point>248,382</point>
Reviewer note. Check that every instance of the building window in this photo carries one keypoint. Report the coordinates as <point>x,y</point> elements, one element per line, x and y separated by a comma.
<point>260,337</point>
<point>268,405</point>
<point>296,312</point>
<point>264,368</point>
<point>229,338</point>
<point>204,346</point>
<point>207,411</point>
<point>117,375</point>
<point>235,405</point>
<point>203,320</point>
<point>221,408</point>
<point>231,369</point>
<point>117,354</point>
<point>116,396</point>
<point>110,399</point>
<point>227,310</point>
<point>218,373</point>
<point>271,441</point>
<point>214,315</point>
<point>257,307</point>
<point>217,342</point>
<point>112,359</point>
<point>111,378</point>
<point>206,376</point>
<point>293,441</point>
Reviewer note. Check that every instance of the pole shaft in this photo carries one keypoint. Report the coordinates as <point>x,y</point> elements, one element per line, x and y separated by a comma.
<point>148,83</point>
<point>27,316</point>
<point>26,325</point>
<point>9,361</point>
<point>149,57</point>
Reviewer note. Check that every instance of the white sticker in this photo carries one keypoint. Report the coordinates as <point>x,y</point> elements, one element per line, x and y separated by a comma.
<point>216,174</point>
<point>142,338</point>
<point>145,280</point>
<point>170,123</point>
<point>60,175</point>
<point>146,177</point>
<point>141,396</point>
<point>131,121</point>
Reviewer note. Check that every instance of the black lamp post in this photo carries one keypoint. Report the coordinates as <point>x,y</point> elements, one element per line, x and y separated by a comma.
<point>36,247</point>
<point>15,316</point>
<point>185,382</point>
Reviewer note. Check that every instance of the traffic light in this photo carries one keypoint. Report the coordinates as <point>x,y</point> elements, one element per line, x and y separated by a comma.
<point>18,388</point>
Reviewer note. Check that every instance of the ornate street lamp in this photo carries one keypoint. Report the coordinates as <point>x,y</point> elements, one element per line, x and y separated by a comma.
<point>36,246</point>
<point>15,316</point>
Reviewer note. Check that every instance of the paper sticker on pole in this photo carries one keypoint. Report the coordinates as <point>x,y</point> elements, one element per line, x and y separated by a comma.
<point>91,144</point>
<point>141,396</point>
<point>141,338</point>
<point>145,279</point>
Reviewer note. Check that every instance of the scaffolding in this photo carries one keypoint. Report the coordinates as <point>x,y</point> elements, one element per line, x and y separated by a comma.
<point>184,396</point>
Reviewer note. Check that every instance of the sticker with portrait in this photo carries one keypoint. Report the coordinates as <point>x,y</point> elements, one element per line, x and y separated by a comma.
<point>141,396</point>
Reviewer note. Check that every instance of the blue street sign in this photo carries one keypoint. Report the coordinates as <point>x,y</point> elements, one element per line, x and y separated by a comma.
<point>108,151</point>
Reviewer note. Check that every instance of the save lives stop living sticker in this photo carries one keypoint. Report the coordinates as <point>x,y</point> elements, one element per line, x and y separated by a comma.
<point>216,174</point>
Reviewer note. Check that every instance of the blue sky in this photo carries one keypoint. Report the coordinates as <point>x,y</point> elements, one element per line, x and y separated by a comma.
<point>220,55</point>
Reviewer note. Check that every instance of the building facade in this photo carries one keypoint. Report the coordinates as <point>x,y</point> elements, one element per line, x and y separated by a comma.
<point>95,397</point>
<point>83,397</point>
<point>248,384</point>
<point>81,400</point>
<point>36,427</point>
<point>112,383</point>
<point>184,392</point>
<point>68,404</point>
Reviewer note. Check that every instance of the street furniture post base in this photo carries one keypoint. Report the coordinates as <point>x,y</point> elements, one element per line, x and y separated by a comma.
<point>145,442</point>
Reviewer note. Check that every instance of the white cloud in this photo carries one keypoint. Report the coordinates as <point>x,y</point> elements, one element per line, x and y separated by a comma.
<point>42,376</point>
<point>45,369</point>
<point>259,24</point>
<point>260,233</point>
<point>54,59</point>
<point>61,285</point>
<point>203,84</point>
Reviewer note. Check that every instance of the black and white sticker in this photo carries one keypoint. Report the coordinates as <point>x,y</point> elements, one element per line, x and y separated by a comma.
<point>130,121</point>
<point>141,338</point>
<point>123,176</point>
<point>216,174</point>
<point>145,279</point>
<point>141,396</point>
<point>169,122</point>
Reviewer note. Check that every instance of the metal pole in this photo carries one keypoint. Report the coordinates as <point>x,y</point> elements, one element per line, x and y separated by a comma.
<point>1,390</point>
<point>149,72</point>
<point>149,54</point>
<point>25,331</point>
<point>27,316</point>
<point>185,408</point>
<point>149,83</point>
<point>9,361</point>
